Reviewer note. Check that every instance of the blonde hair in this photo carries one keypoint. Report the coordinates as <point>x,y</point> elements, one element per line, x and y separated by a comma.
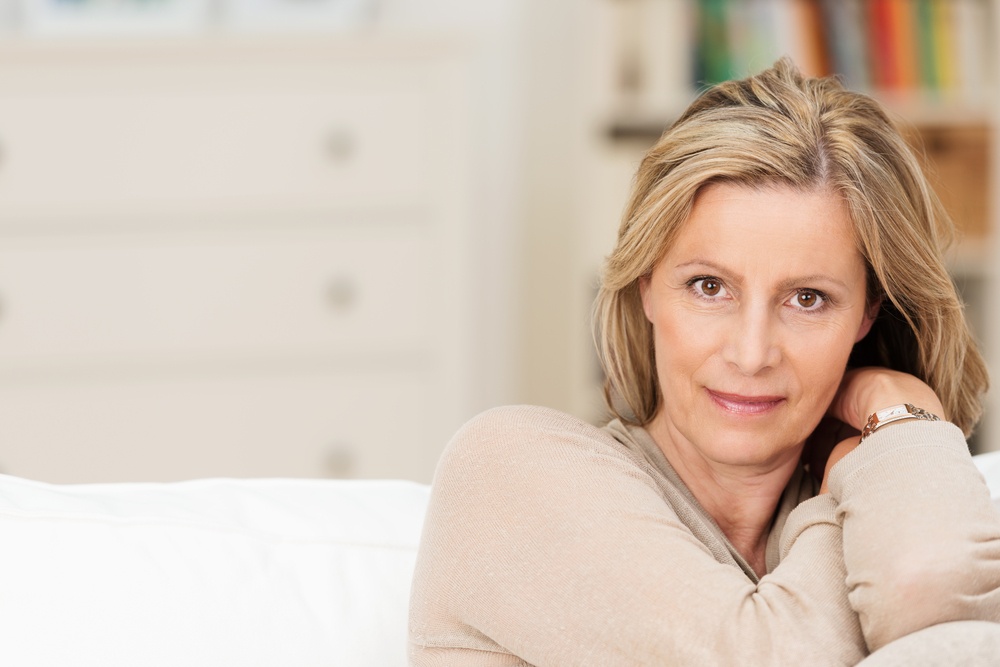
<point>780,128</point>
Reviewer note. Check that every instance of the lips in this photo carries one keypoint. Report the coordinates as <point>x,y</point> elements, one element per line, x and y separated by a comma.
<point>739,404</point>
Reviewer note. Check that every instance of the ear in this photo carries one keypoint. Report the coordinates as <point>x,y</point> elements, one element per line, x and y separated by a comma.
<point>871,313</point>
<point>644,295</point>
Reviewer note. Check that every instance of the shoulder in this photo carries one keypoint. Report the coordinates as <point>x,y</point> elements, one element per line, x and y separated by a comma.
<point>527,420</point>
<point>532,442</point>
<point>529,507</point>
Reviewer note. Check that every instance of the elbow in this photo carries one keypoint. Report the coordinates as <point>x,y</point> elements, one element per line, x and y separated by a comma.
<point>922,590</point>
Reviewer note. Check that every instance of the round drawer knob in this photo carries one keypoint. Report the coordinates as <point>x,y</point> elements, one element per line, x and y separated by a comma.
<point>341,145</point>
<point>339,460</point>
<point>342,294</point>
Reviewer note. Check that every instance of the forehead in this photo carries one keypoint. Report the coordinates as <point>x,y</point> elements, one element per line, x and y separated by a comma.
<point>777,223</point>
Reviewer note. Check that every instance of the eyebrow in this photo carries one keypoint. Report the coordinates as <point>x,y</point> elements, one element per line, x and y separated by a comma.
<point>797,281</point>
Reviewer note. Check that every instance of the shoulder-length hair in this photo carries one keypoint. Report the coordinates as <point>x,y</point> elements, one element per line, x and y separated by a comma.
<point>780,128</point>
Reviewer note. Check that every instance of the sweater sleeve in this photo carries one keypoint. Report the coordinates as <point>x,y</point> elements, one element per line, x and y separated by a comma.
<point>547,541</point>
<point>921,535</point>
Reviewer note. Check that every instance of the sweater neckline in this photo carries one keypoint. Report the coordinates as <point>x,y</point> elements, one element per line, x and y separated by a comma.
<point>694,516</point>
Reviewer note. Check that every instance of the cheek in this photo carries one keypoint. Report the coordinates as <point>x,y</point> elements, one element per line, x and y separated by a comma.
<point>683,343</point>
<point>819,362</point>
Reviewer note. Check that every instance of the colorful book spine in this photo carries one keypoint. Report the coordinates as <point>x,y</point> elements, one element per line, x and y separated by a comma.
<point>902,40</point>
<point>712,50</point>
<point>928,46</point>
<point>845,40</point>
<point>942,34</point>
<point>815,46</point>
<point>764,38</point>
<point>883,53</point>
<point>786,28</point>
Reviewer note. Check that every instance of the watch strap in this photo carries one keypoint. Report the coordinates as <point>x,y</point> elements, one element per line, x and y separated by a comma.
<point>896,413</point>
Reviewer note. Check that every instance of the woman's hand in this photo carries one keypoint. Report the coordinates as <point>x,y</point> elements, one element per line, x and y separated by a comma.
<point>843,448</point>
<point>866,390</point>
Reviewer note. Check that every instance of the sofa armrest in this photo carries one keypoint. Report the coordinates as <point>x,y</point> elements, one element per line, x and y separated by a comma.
<point>208,572</point>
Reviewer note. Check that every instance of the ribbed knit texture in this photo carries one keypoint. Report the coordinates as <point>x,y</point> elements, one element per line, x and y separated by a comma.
<point>549,541</point>
<point>921,535</point>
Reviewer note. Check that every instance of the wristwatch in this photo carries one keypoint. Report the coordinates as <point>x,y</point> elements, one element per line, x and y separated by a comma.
<point>896,413</point>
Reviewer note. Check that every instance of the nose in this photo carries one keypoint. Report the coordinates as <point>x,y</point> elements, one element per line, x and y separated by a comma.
<point>752,344</point>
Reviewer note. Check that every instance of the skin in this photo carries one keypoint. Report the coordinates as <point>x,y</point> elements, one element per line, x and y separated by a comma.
<point>865,390</point>
<point>755,308</point>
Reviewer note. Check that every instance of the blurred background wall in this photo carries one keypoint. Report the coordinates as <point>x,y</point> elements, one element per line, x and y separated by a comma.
<point>313,237</point>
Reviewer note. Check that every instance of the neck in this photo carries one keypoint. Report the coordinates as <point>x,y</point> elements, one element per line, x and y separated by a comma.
<point>742,499</point>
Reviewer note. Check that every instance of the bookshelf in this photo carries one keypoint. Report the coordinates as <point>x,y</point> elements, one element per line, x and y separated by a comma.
<point>931,62</point>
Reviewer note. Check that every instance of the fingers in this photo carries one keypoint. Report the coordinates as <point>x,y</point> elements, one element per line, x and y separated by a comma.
<point>865,390</point>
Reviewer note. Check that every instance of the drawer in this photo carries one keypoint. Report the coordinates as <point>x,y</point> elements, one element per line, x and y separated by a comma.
<point>78,155</point>
<point>351,425</point>
<point>346,294</point>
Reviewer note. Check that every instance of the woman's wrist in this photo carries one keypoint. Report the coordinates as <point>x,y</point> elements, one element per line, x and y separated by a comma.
<point>873,390</point>
<point>895,414</point>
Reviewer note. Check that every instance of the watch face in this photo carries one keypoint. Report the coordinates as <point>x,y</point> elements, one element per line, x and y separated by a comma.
<point>894,411</point>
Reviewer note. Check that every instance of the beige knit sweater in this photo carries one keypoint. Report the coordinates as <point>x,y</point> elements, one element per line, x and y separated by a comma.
<point>549,541</point>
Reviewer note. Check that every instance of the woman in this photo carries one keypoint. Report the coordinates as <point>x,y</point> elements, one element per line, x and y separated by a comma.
<point>778,262</point>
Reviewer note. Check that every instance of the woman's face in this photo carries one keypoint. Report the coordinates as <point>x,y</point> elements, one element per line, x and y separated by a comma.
<point>755,308</point>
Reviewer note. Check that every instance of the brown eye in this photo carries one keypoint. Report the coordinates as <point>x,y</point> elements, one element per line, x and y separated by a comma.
<point>808,300</point>
<point>710,287</point>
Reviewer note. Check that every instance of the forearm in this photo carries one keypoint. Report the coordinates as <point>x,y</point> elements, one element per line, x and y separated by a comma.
<point>625,598</point>
<point>921,537</point>
<point>557,548</point>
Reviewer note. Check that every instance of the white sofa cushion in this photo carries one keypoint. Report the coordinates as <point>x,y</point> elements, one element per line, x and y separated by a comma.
<point>219,573</point>
<point>989,465</point>
<point>208,572</point>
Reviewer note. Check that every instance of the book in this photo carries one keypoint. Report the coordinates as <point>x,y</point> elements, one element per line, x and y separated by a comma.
<point>902,27</point>
<point>937,48</point>
<point>880,47</point>
<point>942,35</point>
<point>926,45</point>
<point>712,63</point>
<point>973,57</point>
<point>846,40</point>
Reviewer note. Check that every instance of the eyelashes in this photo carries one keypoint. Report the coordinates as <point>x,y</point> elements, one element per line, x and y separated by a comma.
<point>810,300</point>
<point>707,287</point>
<point>712,289</point>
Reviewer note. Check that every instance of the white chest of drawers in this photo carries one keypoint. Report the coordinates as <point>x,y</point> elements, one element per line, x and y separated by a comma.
<point>233,258</point>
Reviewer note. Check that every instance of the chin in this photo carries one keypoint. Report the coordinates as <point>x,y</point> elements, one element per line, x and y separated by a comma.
<point>751,451</point>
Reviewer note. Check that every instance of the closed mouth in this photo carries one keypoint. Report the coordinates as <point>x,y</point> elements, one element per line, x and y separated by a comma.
<point>745,405</point>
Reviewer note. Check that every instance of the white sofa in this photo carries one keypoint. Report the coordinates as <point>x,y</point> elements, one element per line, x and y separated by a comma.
<point>220,573</point>
<point>214,573</point>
